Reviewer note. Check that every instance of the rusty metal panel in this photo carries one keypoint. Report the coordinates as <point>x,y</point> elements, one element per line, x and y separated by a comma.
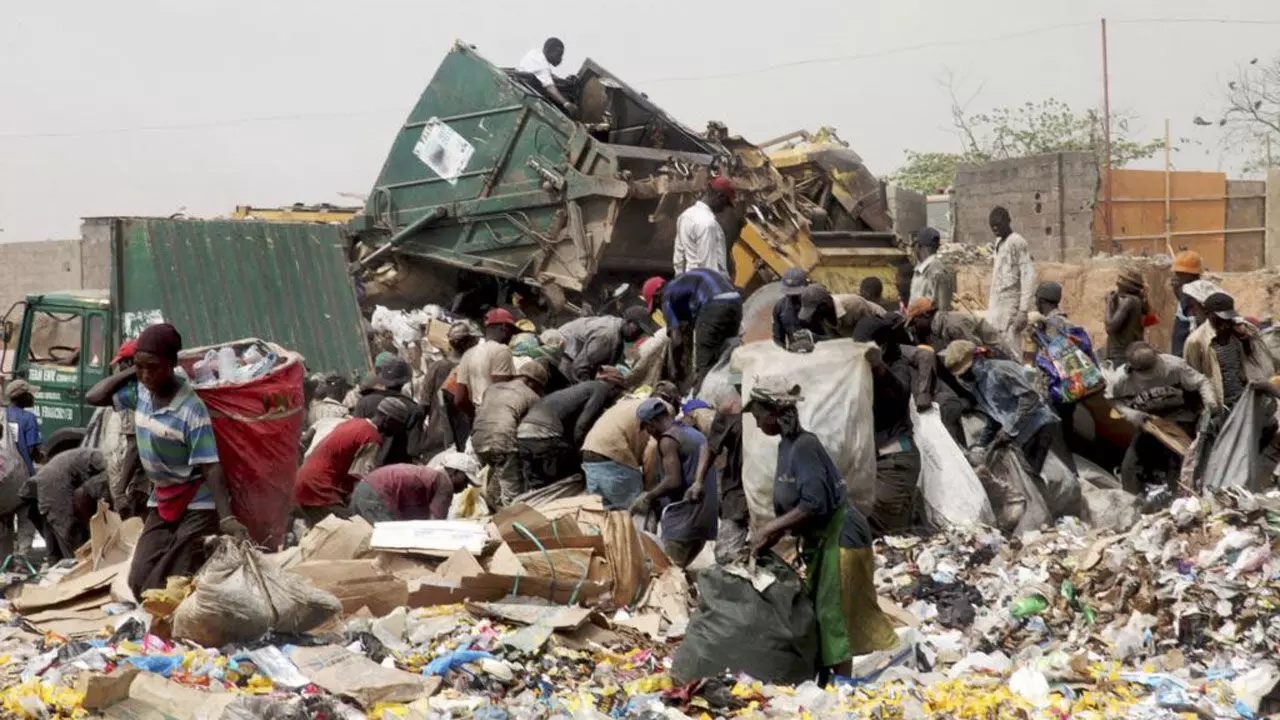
<point>222,280</point>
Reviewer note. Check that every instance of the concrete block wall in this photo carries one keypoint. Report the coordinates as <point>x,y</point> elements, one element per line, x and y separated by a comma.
<point>908,209</point>
<point>37,267</point>
<point>1051,198</point>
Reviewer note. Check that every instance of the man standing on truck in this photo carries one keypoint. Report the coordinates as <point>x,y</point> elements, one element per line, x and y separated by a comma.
<point>189,500</point>
<point>539,63</point>
<point>1013,279</point>
<point>700,241</point>
<point>24,423</point>
<point>701,304</point>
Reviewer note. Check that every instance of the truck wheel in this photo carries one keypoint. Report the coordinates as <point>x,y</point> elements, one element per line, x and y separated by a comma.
<point>63,440</point>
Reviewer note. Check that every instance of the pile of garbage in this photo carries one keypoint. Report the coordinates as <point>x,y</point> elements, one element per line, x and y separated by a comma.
<point>558,609</point>
<point>230,364</point>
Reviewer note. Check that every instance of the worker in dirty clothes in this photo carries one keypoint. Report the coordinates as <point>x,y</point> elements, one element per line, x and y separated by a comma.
<point>325,413</point>
<point>552,432</point>
<point>325,481</point>
<point>591,343</point>
<point>406,492</point>
<point>1229,351</point>
<point>685,498</point>
<point>1013,279</point>
<point>1188,267</point>
<point>24,423</point>
<point>405,444</point>
<point>125,480</point>
<point>939,328</point>
<point>703,313</point>
<point>485,361</point>
<point>835,539</point>
<point>725,442</point>
<point>189,500</point>
<point>700,242</point>
<point>613,455</point>
<point>494,435</point>
<point>931,278</point>
<point>851,308</point>
<point>1127,305</point>
<point>805,314</point>
<point>68,489</point>
<point>1193,296</point>
<point>540,62</point>
<point>899,376</point>
<point>1044,327</point>
<point>1015,411</point>
<point>1151,385</point>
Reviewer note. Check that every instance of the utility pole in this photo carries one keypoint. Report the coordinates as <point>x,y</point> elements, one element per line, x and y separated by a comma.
<point>1106,136</point>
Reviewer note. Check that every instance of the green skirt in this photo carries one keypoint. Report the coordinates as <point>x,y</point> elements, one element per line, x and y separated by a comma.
<point>841,582</point>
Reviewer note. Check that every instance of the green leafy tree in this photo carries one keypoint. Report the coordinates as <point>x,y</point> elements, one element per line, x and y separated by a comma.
<point>1032,128</point>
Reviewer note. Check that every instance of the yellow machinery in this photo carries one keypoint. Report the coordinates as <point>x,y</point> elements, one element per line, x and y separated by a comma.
<point>297,213</point>
<point>827,214</point>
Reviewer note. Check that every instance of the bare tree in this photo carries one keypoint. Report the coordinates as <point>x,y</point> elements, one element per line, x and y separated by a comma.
<point>1252,114</point>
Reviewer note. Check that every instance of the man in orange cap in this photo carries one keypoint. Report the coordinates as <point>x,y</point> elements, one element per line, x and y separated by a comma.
<point>1188,267</point>
<point>700,241</point>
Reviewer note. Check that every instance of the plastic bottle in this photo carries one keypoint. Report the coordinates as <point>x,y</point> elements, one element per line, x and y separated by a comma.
<point>228,363</point>
<point>206,369</point>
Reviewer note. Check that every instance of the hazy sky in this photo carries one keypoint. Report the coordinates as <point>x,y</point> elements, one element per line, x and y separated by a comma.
<point>146,107</point>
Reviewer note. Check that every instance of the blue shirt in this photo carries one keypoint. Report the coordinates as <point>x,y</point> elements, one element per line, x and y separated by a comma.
<point>172,440</point>
<point>1005,395</point>
<point>687,293</point>
<point>26,433</point>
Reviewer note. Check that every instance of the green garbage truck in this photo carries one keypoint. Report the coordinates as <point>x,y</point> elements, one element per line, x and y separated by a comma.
<point>216,280</point>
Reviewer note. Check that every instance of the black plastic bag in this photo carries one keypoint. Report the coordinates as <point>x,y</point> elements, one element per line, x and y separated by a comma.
<point>771,635</point>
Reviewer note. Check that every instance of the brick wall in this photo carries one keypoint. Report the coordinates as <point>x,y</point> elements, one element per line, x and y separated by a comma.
<point>1050,197</point>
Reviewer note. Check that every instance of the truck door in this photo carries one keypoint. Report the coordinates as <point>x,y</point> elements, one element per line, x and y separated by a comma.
<point>95,359</point>
<point>54,340</point>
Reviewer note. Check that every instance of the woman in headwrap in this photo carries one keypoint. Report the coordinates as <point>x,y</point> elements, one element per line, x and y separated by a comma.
<point>189,501</point>
<point>1127,305</point>
<point>809,503</point>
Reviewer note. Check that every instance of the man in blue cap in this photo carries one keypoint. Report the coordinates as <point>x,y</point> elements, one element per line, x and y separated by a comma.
<point>805,314</point>
<point>685,497</point>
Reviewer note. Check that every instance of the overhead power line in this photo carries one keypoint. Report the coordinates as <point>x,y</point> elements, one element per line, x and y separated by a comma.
<point>886,52</point>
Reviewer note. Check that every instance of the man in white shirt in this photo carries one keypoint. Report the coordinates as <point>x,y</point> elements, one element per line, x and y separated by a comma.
<point>1013,280</point>
<point>539,62</point>
<point>700,241</point>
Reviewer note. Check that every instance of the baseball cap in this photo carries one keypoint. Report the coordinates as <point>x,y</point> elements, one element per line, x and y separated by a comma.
<point>650,290</point>
<point>958,357</point>
<point>929,237</point>
<point>1222,305</point>
<point>652,409</point>
<point>395,372</point>
<point>18,387</point>
<point>499,316</point>
<point>725,186</point>
<point>126,352</point>
<point>639,316</point>
<point>794,279</point>
<point>811,298</point>
<point>918,307</point>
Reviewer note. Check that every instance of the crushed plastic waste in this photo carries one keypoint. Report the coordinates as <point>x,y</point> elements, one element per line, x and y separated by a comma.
<point>1174,616</point>
<point>229,364</point>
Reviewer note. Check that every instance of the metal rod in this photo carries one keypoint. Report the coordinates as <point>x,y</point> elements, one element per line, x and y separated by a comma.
<point>1218,198</point>
<point>1106,130</point>
<point>464,116</point>
<point>1168,189</point>
<point>1192,233</point>
<point>436,179</point>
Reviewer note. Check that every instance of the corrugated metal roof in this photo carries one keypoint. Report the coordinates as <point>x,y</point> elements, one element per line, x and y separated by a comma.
<point>222,280</point>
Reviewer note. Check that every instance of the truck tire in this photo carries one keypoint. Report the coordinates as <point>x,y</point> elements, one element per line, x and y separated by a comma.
<point>63,440</point>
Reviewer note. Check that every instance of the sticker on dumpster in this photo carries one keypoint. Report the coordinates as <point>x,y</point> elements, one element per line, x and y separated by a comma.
<point>137,321</point>
<point>443,150</point>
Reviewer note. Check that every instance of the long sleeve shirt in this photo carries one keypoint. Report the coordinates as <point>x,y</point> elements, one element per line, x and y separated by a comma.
<point>1159,391</point>
<point>1013,282</point>
<point>589,344</point>
<point>1007,398</point>
<point>700,241</point>
<point>568,413</point>
<point>931,279</point>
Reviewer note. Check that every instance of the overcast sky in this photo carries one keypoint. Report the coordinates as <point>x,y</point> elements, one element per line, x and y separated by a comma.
<point>148,107</point>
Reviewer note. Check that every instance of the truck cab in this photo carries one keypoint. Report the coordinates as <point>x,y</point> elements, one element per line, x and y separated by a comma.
<point>60,342</point>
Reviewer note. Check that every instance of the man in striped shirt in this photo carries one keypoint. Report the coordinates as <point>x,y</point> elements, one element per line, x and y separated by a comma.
<point>189,499</point>
<point>700,303</point>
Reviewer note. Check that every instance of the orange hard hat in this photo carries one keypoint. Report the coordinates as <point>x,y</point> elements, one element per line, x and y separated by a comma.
<point>1188,261</point>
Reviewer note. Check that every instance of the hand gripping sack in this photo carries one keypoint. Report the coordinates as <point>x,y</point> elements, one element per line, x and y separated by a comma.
<point>239,596</point>
<point>771,635</point>
<point>257,425</point>
<point>952,492</point>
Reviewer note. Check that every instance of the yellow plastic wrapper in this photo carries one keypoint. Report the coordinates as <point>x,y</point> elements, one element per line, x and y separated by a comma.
<point>35,699</point>
<point>161,602</point>
<point>649,685</point>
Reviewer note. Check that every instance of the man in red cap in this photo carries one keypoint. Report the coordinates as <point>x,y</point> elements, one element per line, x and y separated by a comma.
<point>485,362</point>
<point>700,241</point>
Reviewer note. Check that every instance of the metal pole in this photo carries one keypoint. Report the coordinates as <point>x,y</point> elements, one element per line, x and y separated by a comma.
<point>1168,194</point>
<point>1106,132</point>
